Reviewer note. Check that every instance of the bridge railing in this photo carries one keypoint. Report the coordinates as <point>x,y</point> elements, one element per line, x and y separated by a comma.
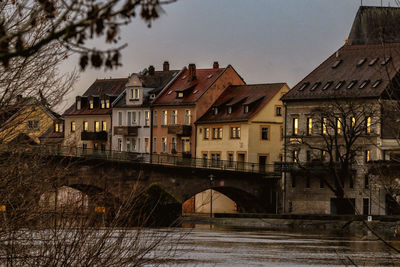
<point>159,159</point>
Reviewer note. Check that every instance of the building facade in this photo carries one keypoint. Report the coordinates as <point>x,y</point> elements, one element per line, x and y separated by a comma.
<point>245,124</point>
<point>337,125</point>
<point>88,120</point>
<point>184,101</point>
<point>131,114</point>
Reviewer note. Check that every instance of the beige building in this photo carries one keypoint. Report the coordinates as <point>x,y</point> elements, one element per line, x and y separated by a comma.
<point>245,124</point>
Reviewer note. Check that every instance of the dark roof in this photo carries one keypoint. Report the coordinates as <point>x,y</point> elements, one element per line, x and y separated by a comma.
<point>255,95</point>
<point>111,87</point>
<point>374,25</point>
<point>344,66</point>
<point>51,135</point>
<point>157,81</point>
<point>195,88</point>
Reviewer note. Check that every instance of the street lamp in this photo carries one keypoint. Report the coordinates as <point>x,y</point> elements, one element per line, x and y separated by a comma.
<point>211,182</point>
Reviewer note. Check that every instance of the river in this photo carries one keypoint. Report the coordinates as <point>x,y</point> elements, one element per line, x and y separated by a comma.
<point>202,246</point>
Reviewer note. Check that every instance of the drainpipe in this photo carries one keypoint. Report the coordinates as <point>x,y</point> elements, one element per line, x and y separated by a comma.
<point>284,161</point>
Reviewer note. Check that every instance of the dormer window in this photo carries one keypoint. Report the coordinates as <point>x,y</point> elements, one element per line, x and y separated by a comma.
<point>107,103</point>
<point>303,86</point>
<point>135,94</point>
<point>78,104</point>
<point>376,83</point>
<point>386,61</point>
<point>361,62</point>
<point>351,84</point>
<point>336,63</point>
<point>180,95</point>
<point>103,104</point>
<point>364,84</point>
<point>215,111</point>
<point>339,84</point>
<point>91,105</point>
<point>246,109</point>
<point>373,61</point>
<point>229,110</point>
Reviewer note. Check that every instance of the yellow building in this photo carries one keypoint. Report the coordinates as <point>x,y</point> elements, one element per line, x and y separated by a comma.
<point>245,124</point>
<point>30,120</point>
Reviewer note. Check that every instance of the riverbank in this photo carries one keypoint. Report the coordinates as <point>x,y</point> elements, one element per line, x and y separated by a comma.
<point>382,224</point>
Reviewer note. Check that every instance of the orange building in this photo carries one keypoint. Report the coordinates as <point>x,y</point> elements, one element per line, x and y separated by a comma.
<point>181,103</point>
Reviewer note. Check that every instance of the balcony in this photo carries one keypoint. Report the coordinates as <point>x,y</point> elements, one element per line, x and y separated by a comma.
<point>94,136</point>
<point>182,130</point>
<point>126,130</point>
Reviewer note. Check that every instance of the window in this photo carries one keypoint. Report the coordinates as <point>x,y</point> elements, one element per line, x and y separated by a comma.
<point>73,126</point>
<point>235,132</point>
<point>134,144</point>
<point>119,118</point>
<point>338,126</point>
<point>135,94</point>
<point>361,62</point>
<point>164,117</point>
<point>155,118</point>
<point>295,129</point>
<point>33,125</point>
<point>173,145</point>
<point>206,133</point>
<point>138,117</point>
<point>138,145</point>
<point>107,103</point>
<point>154,145</point>
<point>163,145</point>
<point>119,144</point>
<point>309,126</point>
<point>373,61</point>
<point>304,86</point>
<point>265,133</point>
<point>295,156</point>
<point>353,122</point>
<point>146,145</point>
<point>91,104</point>
<point>324,126</point>
<point>174,117</point>
<point>56,128</point>
<point>336,63</point>
<point>217,133</point>
<point>315,86</point>
<point>147,118</point>
<point>368,125</point>
<point>339,85</point>
<point>364,84</point>
<point>180,95</point>
<point>215,111</point>
<point>186,145</point>
<point>351,84</point>
<point>205,156</point>
<point>230,159</point>
<point>85,126</point>
<point>188,117</point>
<point>128,145</point>
<point>229,110</point>
<point>376,83</point>
<point>366,181</point>
<point>278,111</point>
<point>367,155</point>
<point>104,126</point>
<point>386,61</point>
<point>103,104</point>
<point>327,85</point>
<point>323,155</point>
<point>97,126</point>
<point>78,105</point>
<point>246,109</point>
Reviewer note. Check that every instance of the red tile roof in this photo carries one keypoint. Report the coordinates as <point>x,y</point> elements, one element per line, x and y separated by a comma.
<point>349,69</point>
<point>257,96</point>
<point>193,89</point>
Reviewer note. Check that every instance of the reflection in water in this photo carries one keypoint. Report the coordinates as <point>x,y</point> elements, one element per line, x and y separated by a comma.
<point>234,247</point>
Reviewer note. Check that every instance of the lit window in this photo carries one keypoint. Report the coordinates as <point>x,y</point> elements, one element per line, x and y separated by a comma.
<point>91,104</point>
<point>351,84</point>
<point>303,86</point>
<point>364,84</point>
<point>217,133</point>
<point>373,61</point>
<point>353,122</point>
<point>215,111</point>
<point>309,126</point>
<point>361,62</point>
<point>368,125</point>
<point>295,156</point>
<point>97,126</point>
<point>174,117</point>
<point>188,117</point>
<point>104,126</point>
<point>164,117</point>
<point>56,128</point>
<point>103,104</point>
<point>295,126</point>
<point>324,127</point>
<point>164,145</point>
<point>107,103</point>
<point>135,93</point>
<point>206,133</point>
<point>235,132</point>
<point>315,86</point>
<point>327,85</point>
<point>376,83</point>
<point>147,118</point>
<point>339,84</point>
<point>180,94</point>
<point>367,155</point>
<point>85,126</point>
<point>73,126</point>
<point>386,61</point>
<point>336,63</point>
<point>229,110</point>
<point>338,126</point>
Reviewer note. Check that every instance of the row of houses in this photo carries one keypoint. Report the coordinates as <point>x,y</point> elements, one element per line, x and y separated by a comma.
<point>328,128</point>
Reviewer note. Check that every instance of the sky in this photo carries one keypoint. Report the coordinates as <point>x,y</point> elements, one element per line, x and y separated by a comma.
<point>266,41</point>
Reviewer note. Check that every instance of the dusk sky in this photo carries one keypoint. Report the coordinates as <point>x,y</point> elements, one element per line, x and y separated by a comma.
<point>266,41</point>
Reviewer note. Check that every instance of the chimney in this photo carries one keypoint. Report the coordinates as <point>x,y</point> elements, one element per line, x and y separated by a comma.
<point>166,66</point>
<point>192,72</point>
<point>151,70</point>
<point>215,65</point>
